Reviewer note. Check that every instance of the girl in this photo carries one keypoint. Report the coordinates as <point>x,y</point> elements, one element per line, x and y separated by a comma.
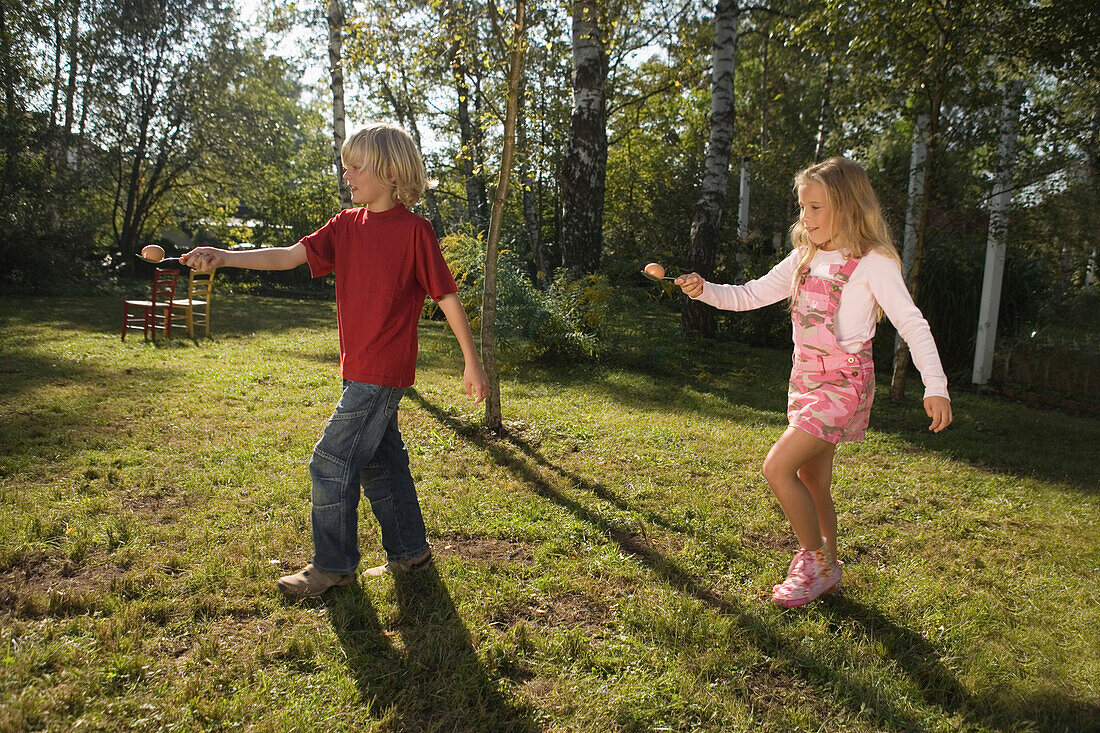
<point>841,276</point>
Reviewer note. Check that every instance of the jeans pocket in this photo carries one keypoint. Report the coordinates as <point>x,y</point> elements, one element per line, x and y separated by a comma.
<point>357,399</point>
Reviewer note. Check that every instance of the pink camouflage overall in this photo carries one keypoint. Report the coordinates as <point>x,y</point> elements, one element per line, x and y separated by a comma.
<point>829,397</point>
<point>831,391</point>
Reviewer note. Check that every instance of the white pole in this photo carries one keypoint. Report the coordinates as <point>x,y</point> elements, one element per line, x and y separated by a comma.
<point>995,243</point>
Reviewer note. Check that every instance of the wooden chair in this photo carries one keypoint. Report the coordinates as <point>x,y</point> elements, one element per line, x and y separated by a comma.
<point>196,306</point>
<point>150,316</point>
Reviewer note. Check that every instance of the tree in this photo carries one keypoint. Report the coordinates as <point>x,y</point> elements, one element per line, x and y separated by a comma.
<point>493,416</point>
<point>335,19</point>
<point>585,167</point>
<point>151,88</point>
<point>706,226</point>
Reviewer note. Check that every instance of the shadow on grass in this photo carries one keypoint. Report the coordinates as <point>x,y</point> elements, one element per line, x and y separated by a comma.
<point>734,382</point>
<point>436,682</point>
<point>917,658</point>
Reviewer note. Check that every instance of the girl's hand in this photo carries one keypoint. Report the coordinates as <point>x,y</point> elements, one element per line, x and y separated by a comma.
<point>691,284</point>
<point>203,259</point>
<point>939,409</point>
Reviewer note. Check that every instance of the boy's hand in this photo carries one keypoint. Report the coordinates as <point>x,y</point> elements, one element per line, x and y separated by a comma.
<point>939,409</point>
<point>204,259</point>
<point>476,382</point>
<point>691,284</point>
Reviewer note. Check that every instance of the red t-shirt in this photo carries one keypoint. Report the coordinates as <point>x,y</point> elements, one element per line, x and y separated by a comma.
<point>385,263</point>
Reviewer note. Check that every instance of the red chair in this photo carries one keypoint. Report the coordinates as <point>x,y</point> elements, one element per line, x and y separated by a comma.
<point>150,316</point>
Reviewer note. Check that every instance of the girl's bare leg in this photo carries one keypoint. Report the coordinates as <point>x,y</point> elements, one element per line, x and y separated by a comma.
<point>794,449</point>
<point>817,476</point>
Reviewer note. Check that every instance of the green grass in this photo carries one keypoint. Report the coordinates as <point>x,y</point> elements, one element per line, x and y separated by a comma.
<point>604,566</point>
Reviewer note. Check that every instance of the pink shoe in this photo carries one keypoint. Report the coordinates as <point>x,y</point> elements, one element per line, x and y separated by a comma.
<point>812,573</point>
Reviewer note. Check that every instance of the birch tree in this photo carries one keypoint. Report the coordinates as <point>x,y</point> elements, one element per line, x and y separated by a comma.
<point>335,18</point>
<point>584,171</point>
<point>706,227</point>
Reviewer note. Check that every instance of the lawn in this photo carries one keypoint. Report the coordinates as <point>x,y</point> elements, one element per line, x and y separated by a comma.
<point>605,565</point>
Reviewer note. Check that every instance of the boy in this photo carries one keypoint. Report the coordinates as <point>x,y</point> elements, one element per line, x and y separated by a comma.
<point>386,259</point>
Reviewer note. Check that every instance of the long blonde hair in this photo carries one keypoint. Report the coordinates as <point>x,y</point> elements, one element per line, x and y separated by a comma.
<point>858,226</point>
<point>392,157</point>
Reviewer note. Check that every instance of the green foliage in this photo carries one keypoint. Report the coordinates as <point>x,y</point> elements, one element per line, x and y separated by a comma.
<point>563,322</point>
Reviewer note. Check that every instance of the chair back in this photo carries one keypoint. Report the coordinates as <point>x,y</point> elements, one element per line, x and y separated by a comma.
<point>164,286</point>
<point>200,285</point>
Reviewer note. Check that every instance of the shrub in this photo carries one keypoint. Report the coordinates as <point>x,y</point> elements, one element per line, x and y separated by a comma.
<point>563,322</point>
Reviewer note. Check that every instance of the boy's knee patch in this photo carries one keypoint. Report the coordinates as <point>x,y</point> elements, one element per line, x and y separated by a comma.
<point>327,474</point>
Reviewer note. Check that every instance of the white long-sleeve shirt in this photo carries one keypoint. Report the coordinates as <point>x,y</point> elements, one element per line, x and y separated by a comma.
<point>876,282</point>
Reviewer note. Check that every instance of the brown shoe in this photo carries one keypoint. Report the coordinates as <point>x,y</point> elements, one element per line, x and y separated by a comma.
<point>402,566</point>
<point>312,582</point>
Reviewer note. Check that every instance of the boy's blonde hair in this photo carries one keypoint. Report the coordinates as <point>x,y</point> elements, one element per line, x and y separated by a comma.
<point>390,154</point>
<point>857,221</point>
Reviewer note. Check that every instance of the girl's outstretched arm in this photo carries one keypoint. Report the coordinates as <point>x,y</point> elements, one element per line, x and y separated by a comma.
<point>691,283</point>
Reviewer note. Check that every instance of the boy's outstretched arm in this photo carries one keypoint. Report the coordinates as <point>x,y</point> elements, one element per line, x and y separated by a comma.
<point>474,378</point>
<point>205,259</point>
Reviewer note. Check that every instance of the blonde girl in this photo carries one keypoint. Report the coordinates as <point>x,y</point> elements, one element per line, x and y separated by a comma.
<point>842,274</point>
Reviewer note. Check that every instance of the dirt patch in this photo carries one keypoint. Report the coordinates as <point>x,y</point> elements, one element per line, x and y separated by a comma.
<point>485,549</point>
<point>156,508</point>
<point>45,585</point>
<point>574,610</point>
<point>772,689</point>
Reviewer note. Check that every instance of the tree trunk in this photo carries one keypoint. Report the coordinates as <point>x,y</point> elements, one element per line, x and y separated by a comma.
<point>743,201</point>
<point>706,227</point>
<point>1092,156</point>
<point>70,86</point>
<point>823,112</point>
<point>584,169</point>
<point>335,18</point>
<point>480,188</point>
<point>12,124</point>
<point>459,24</point>
<point>911,269</point>
<point>493,417</point>
<point>543,273</point>
<point>998,229</point>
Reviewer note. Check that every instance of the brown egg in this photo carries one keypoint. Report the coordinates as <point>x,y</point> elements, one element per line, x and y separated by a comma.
<point>153,252</point>
<point>655,269</point>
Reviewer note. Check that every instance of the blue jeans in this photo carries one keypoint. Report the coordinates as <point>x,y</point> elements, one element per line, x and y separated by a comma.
<point>361,446</point>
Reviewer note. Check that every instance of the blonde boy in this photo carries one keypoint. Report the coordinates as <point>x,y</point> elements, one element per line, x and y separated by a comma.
<point>386,259</point>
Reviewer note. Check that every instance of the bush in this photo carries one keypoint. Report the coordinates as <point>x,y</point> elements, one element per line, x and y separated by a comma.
<point>563,322</point>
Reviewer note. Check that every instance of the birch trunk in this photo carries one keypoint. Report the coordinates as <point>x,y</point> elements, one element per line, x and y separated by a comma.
<point>911,270</point>
<point>1093,159</point>
<point>823,113</point>
<point>335,18</point>
<point>707,224</point>
<point>743,201</point>
<point>493,415</point>
<point>995,244</point>
<point>584,169</point>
